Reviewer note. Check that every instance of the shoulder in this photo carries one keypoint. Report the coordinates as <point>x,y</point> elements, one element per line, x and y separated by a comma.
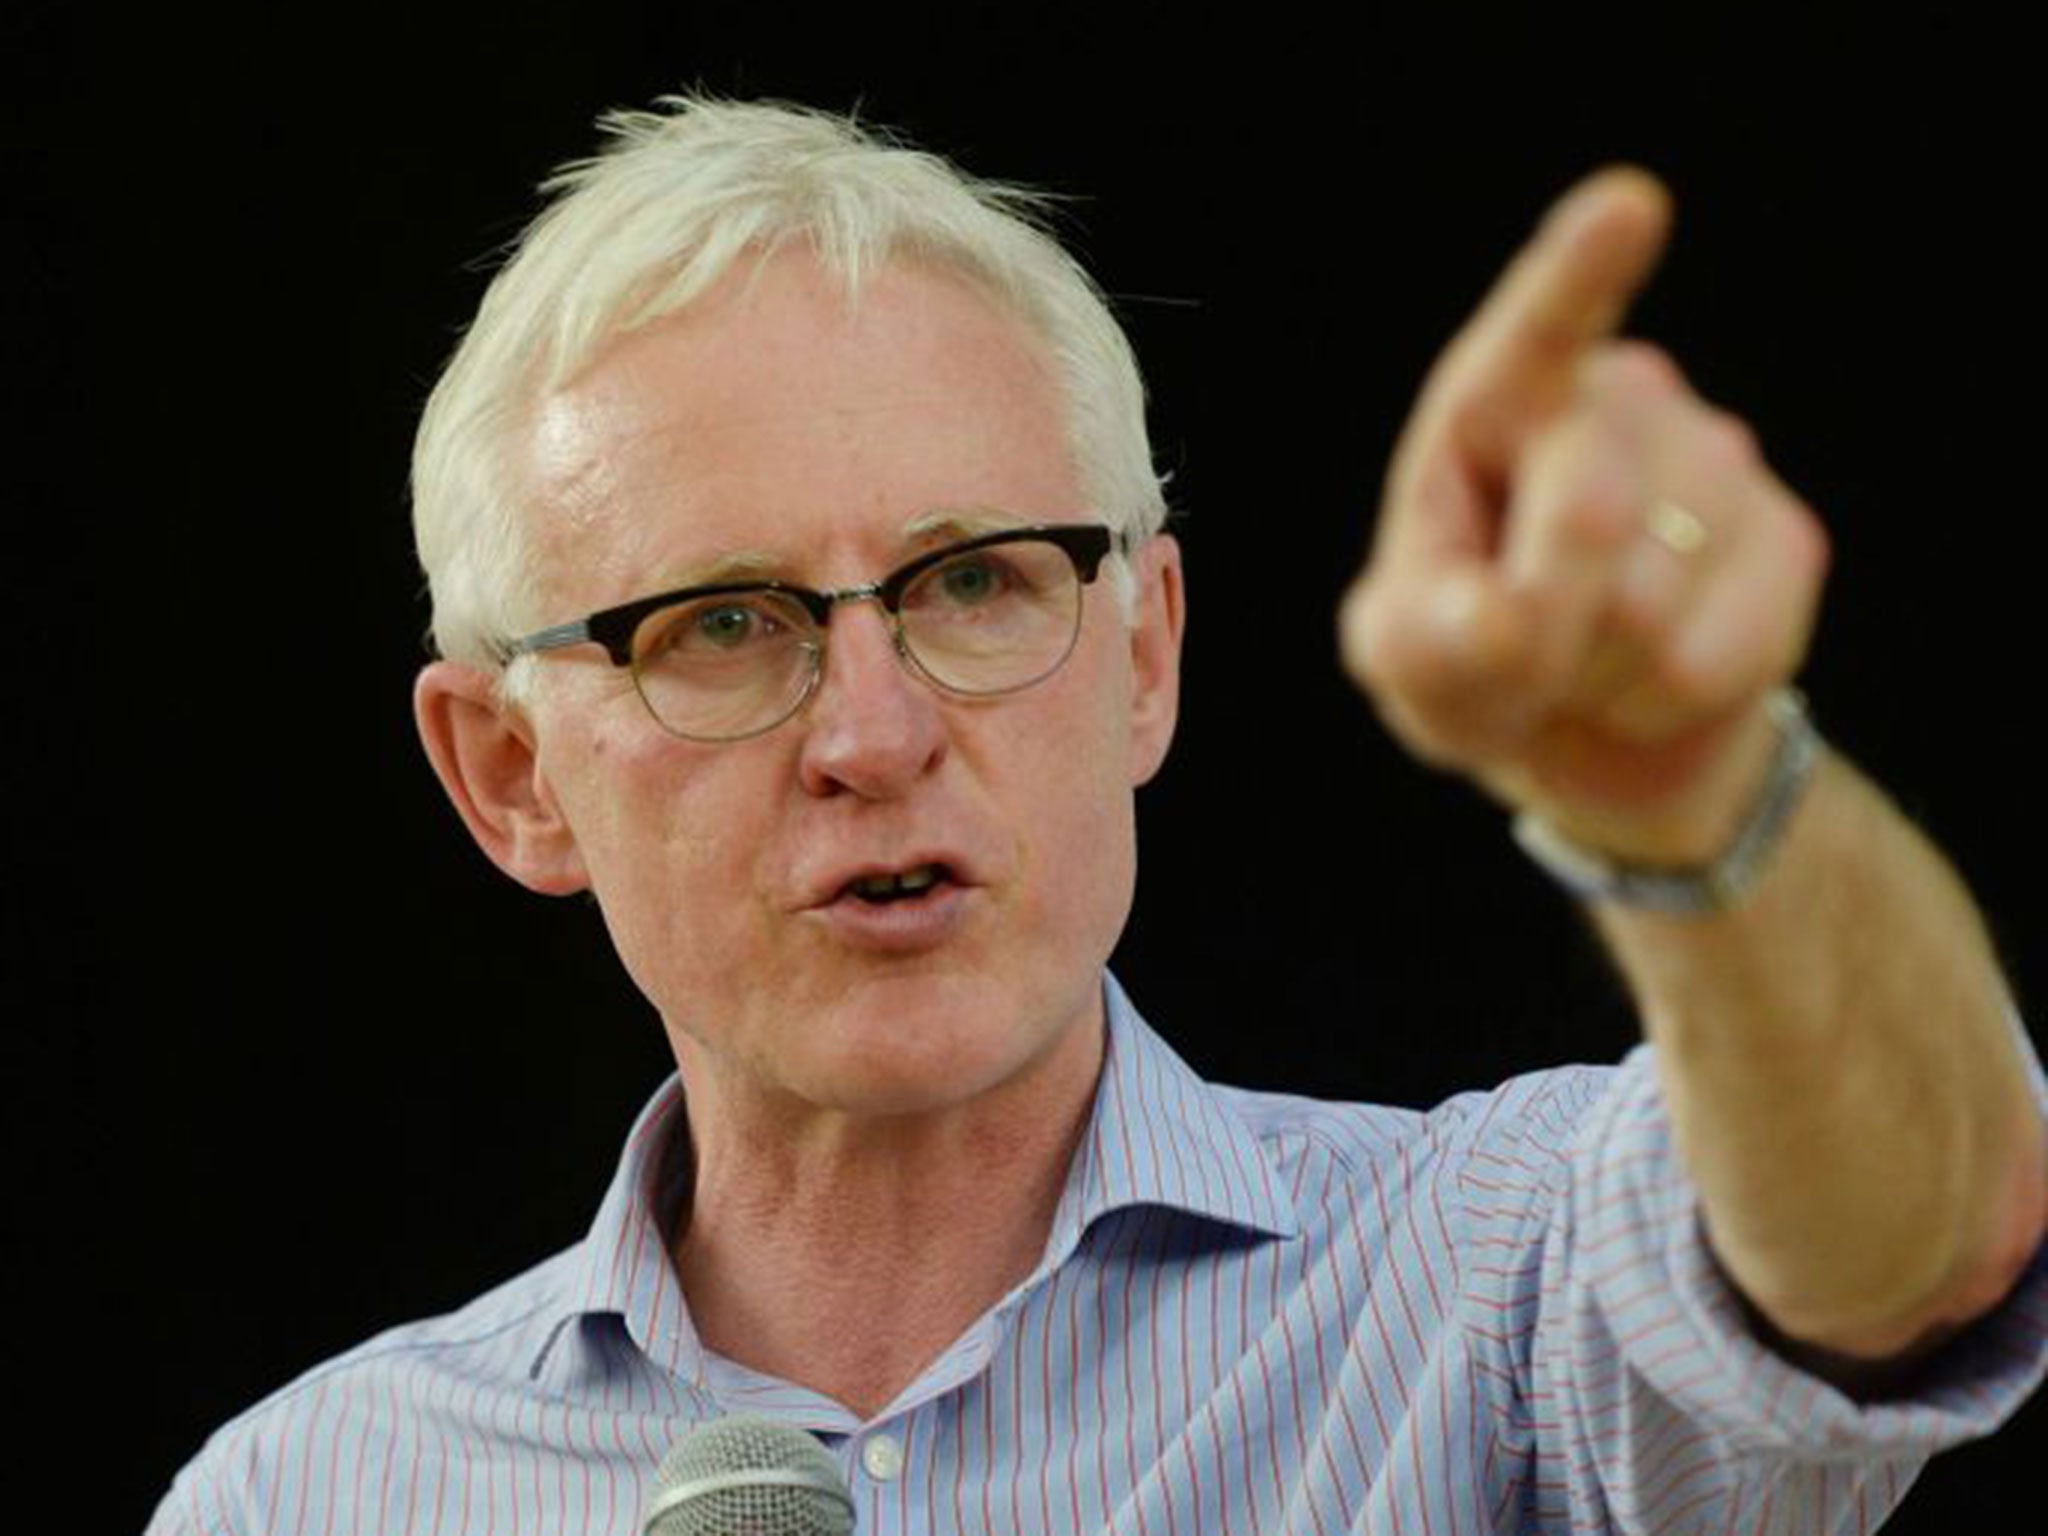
<point>254,1469</point>
<point>1537,1114</point>
<point>1468,1185</point>
<point>505,1325</point>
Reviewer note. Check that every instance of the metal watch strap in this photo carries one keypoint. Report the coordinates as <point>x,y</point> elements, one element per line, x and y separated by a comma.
<point>1697,889</point>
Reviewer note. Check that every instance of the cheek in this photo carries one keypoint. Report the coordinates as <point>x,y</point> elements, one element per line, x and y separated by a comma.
<point>1096,880</point>
<point>1081,825</point>
<point>667,837</point>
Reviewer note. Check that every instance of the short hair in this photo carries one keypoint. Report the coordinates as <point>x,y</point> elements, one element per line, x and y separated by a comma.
<point>675,198</point>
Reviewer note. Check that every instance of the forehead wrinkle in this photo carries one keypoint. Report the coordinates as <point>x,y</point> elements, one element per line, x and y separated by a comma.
<point>591,461</point>
<point>611,474</point>
<point>616,435</point>
<point>571,476</point>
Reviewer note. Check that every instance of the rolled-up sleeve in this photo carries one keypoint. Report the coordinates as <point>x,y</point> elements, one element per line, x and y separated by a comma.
<point>1627,1375</point>
<point>1654,1404</point>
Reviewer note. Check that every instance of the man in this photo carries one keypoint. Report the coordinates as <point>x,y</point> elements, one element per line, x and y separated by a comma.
<point>802,593</point>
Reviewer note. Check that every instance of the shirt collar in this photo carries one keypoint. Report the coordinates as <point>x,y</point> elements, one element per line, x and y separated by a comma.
<point>1157,1135</point>
<point>623,1266</point>
<point>1160,1135</point>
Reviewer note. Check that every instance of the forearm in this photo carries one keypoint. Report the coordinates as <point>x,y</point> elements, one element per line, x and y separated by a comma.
<point>1584,592</point>
<point>1844,1082</point>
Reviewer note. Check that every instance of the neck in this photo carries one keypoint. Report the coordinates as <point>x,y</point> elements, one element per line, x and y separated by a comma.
<point>844,1253</point>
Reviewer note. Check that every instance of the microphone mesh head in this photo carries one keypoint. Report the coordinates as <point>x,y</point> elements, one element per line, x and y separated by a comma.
<point>704,1487</point>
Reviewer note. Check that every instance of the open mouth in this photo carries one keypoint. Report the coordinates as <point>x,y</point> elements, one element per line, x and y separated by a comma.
<point>902,885</point>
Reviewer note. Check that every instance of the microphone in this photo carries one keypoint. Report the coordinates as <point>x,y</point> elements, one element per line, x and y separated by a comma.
<point>745,1475</point>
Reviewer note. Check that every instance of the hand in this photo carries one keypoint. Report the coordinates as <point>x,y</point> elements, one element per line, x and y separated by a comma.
<point>1521,619</point>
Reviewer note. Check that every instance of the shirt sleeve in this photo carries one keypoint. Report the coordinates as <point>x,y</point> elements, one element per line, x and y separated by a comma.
<point>1669,1413</point>
<point>179,1513</point>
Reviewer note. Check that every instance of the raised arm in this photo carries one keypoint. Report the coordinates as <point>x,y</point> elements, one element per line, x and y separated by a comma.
<point>1588,593</point>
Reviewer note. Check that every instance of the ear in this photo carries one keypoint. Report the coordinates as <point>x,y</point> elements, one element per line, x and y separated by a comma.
<point>1155,653</point>
<point>483,753</point>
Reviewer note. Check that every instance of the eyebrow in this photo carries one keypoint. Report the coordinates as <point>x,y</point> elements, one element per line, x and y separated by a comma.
<point>952,523</point>
<point>929,529</point>
<point>743,565</point>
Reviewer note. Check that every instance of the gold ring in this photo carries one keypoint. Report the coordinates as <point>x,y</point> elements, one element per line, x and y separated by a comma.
<point>1677,528</point>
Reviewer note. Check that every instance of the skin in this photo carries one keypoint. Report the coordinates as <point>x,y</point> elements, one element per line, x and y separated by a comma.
<point>878,1135</point>
<point>1836,1053</point>
<point>882,1139</point>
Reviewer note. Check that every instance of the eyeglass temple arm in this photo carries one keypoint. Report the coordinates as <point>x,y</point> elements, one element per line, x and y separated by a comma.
<point>553,638</point>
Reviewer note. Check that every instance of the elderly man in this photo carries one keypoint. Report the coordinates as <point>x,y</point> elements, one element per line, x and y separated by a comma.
<point>801,589</point>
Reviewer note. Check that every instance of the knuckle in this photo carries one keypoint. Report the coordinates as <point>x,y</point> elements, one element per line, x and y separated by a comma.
<point>1406,661</point>
<point>1423,670</point>
<point>1385,646</point>
<point>1647,365</point>
<point>1355,625</point>
<point>1728,442</point>
<point>1602,513</point>
<point>1632,369</point>
<point>1811,547</point>
<point>1441,660</point>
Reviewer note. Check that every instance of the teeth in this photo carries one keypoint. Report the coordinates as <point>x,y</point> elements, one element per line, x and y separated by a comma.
<point>909,883</point>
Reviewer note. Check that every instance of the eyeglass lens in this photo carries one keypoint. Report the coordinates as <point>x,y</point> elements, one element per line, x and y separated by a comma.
<point>988,620</point>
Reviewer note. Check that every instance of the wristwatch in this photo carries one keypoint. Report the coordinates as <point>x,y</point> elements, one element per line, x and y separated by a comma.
<point>1696,889</point>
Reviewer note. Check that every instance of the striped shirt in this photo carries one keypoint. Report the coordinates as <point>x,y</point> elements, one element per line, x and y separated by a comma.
<point>1255,1313</point>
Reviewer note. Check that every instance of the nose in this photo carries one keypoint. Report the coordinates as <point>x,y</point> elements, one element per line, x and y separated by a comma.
<point>871,728</point>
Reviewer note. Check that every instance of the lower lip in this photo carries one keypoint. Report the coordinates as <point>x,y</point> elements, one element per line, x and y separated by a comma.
<point>901,927</point>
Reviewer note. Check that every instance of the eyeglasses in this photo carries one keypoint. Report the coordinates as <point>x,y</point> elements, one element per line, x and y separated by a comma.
<point>988,615</point>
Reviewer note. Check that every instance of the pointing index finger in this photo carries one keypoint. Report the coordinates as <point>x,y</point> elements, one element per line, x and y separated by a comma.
<point>1567,289</point>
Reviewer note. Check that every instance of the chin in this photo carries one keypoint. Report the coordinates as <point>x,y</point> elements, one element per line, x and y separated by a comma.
<point>895,1051</point>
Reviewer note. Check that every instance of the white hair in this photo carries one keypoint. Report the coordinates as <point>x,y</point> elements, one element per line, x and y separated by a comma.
<point>669,205</point>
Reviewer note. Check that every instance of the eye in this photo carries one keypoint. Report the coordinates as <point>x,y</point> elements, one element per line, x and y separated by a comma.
<point>728,625</point>
<point>724,626</point>
<point>972,579</point>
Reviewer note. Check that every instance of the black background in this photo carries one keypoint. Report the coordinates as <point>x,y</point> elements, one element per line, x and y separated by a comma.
<point>292,1063</point>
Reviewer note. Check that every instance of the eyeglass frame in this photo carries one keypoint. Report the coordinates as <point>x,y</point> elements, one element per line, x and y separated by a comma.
<point>1087,545</point>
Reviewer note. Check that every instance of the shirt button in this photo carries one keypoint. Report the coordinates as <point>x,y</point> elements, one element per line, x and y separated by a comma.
<point>883,1458</point>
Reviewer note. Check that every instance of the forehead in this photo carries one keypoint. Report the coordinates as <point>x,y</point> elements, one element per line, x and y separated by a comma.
<point>779,418</point>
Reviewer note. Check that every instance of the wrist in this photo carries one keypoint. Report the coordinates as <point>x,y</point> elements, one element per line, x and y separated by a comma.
<point>1702,856</point>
